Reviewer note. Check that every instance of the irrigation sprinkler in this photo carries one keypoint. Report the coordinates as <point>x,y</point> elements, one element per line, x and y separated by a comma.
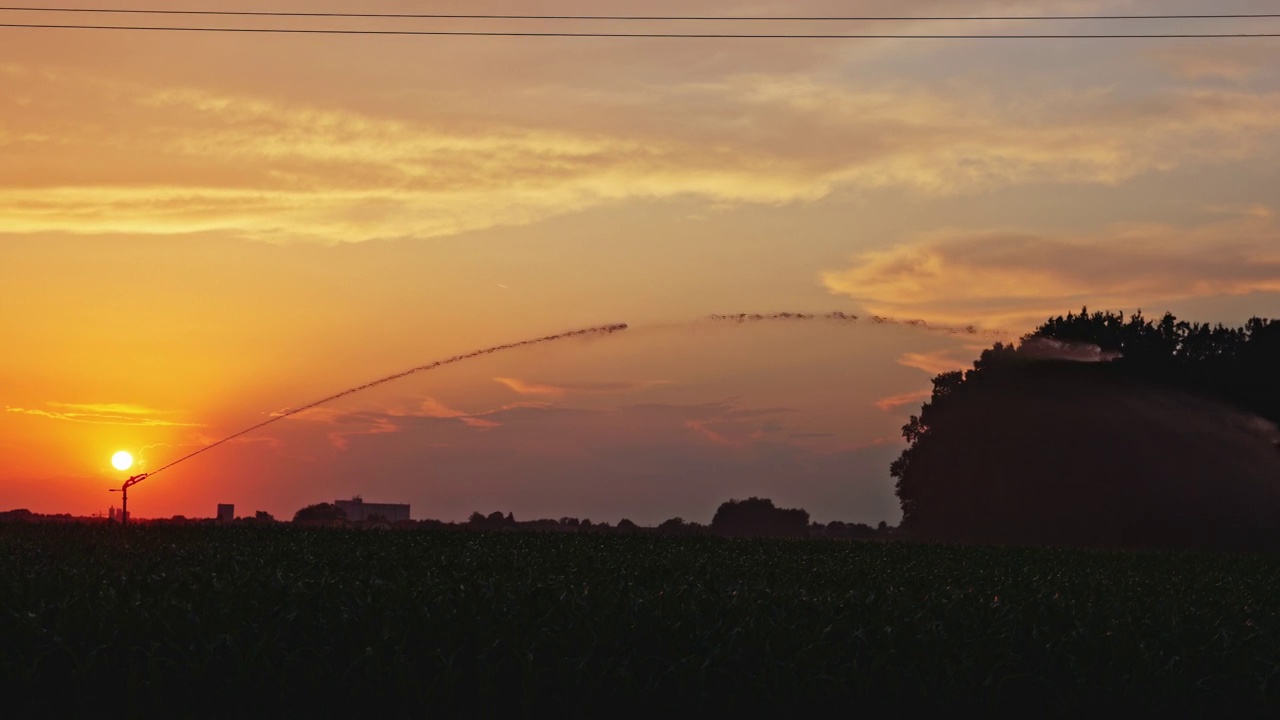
<point>124,496</point>
<point>275,417</point>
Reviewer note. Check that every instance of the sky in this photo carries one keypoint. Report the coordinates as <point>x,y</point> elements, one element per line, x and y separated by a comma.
<point>198,231</point>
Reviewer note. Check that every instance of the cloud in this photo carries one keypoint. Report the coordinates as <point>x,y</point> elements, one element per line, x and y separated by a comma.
<point>526,388</point>
<point>898,401</point>
<point>1237,63</point>
<point>936,362</point>
<point>1014,280</point>
<point>703,428</point>
<point>620,387</point>
<point>731,426</point>
<point>723,422</point>
<point>180,160</point>
<point>341,439</point>
<point>558,390</point>
<point>199,440</point>
<point>107,408</point>
<point>430,407</point>
<point>355,423</point>
<point>102,414</point>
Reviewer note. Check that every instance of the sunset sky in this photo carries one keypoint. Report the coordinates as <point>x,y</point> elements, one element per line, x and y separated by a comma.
<point>200,230</point>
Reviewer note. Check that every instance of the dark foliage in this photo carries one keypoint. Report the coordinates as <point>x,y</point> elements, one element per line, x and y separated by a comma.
<point>757,517</point>
<point>320,514</point>
<point>1164,446</point>
<point>837,530</point>
<point>678,527</point>
<point>207,621</point>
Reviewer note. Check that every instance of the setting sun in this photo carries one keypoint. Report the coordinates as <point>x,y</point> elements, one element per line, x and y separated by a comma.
<point>122,460</point>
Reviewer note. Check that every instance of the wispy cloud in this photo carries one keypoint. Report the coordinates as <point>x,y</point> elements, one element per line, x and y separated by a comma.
<point>557,390</point>
<point>1234,63</point>
<point>107,408</point>
<point>379,426</point>
<point>527,388</point>
<point>703,428</point>
<point>199,160</point>
<point>1013,280</point>
<point>199,440</point>
<point>102,414</point>
<point>430,407</point>
<point>354,423</point>
<point>898,401</point>
<point>936,362</point>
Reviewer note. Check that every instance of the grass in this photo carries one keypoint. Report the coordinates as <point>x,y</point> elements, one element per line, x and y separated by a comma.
<point>208,621</point>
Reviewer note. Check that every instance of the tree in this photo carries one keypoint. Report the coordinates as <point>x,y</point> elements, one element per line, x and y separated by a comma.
<point>758,516</point>
<point>1156,447</point>
<point>320,514</point>
<point>493,521</point>
<point>673,526</point>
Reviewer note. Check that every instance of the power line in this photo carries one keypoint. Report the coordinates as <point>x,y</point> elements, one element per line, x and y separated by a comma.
<point>706,36</point>
<point>662,18</point>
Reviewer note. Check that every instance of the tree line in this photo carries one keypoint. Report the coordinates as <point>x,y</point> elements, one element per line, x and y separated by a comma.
<point>752,517</point>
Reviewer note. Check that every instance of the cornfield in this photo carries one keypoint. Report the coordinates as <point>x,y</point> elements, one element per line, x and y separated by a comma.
<point>206,621</point>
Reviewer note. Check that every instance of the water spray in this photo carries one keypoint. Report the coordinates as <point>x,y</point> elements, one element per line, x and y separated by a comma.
<point>842,317</point>
<point>740,318</point>
<point>276,417</point>
<point>1035,348</point>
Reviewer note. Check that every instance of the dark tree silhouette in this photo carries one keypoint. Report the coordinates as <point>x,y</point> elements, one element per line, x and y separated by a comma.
<point>758,517</point>
<point>320,514</point>
<point>673,524</point>
<point>19,515</point>
<point>1167,445</point>
<point>678,526</point>
<point>849,531</point>
<point>493,521</point>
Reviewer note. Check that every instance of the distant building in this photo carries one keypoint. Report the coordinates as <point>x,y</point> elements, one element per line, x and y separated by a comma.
<point>115,515</point>
<point>358,510</point>
<point>226,512</point>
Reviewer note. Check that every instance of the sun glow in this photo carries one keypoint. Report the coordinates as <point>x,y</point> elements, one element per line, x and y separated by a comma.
<point>122,460</point>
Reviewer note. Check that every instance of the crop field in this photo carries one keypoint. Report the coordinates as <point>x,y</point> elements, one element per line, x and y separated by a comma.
<point>204,621</point>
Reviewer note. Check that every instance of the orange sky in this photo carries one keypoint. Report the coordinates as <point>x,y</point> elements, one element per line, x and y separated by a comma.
<point>197,230</point>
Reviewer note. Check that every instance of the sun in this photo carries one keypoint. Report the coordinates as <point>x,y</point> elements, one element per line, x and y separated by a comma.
<point>122,460</point>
